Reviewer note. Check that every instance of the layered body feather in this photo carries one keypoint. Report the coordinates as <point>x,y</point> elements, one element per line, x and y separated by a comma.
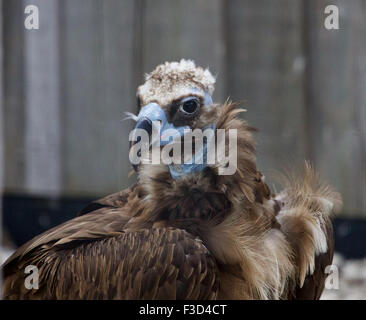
<point>204,236</point>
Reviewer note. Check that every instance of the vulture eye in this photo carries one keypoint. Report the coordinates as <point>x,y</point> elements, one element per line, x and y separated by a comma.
<point>190,106</point>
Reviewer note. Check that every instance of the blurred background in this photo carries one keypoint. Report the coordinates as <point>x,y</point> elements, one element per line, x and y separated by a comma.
<point>65,87</point>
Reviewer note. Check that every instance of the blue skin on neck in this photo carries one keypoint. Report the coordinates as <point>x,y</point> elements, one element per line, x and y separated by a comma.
<point>154,112</point>
<point>180,170</point>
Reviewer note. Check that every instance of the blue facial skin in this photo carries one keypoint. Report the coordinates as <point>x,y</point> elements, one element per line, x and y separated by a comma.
<point>154,112</point>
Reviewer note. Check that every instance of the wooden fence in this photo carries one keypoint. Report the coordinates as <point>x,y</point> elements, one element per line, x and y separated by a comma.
<point>67,85</point>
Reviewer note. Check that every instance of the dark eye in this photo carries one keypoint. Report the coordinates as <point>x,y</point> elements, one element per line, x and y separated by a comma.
<point>189,107</point>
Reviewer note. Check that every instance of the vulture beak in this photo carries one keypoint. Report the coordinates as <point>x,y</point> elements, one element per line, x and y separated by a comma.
<point>153,120</point>
<point>146,124</point>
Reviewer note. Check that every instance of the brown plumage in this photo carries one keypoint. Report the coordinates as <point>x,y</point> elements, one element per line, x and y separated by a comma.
<point>202,236</point>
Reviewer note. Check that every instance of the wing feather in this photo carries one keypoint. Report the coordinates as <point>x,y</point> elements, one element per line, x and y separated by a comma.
<point>314,283</point>
<point>158,263</point>
<point>115,200</point>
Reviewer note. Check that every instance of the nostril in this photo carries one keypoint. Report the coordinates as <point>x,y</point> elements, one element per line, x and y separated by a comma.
<point>145,124</point>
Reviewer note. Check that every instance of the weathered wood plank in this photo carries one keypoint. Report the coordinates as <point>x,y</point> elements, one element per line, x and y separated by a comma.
<point>13,41</point>
<point>187,29</point>
<point>42,116</point>
<point>1,137</point>
<point>2,148</point>
<point>32,139</point>
<point>336,106</point>
<point>97,76</point>
<point>265,70</point>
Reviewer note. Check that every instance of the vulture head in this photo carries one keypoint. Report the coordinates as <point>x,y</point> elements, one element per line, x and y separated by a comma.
<point>205,171</point>
<point>175,99</point>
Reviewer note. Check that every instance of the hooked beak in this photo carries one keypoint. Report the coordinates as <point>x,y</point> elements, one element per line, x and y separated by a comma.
<point>150,116</point>
<point>143,123</point>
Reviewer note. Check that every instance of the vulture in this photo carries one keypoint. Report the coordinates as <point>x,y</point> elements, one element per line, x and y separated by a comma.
<point>187,231</point>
